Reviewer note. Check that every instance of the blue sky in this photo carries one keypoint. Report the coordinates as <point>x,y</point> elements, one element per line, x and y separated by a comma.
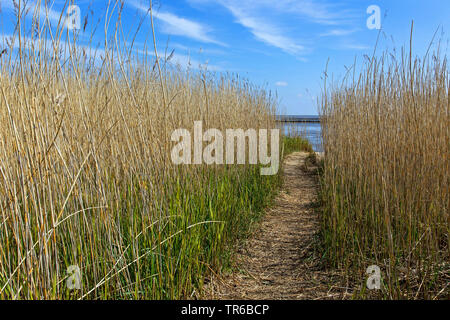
<point>283,45</point>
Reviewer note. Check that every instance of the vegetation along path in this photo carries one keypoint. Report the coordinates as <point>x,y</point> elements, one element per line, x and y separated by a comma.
<point>280,261</point>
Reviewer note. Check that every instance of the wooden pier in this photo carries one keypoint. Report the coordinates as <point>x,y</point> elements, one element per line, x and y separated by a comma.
<point>294,119</point>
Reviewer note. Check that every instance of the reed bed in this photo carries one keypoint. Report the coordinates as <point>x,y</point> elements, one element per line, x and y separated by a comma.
<point>86,176</point>
<point>385,182</point>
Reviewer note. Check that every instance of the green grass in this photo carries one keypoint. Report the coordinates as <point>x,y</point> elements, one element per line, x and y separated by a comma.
<point>201,224</point>
<point>296,143</point>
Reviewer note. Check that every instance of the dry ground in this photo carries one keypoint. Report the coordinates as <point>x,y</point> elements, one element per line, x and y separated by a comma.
<point>281,259</point>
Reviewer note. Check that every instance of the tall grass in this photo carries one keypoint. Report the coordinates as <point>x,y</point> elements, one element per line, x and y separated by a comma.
<point>385,186</point>
<point>296,143</point>
<point>86,177</point>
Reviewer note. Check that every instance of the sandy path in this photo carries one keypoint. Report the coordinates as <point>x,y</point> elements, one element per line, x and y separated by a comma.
<point>279,261</point>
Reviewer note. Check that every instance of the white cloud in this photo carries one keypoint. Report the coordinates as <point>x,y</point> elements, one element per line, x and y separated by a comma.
<point>317,11</point>
<point>355,47</point>
<point>187,61</point>
<point>327,12</point>
<point>183,60</point>
<point>48,46</point>
<point>265,32</point>
<point>268,20</point>
<point>338,32</point>
<point>45,11</point>
<point>281,84</point>
<point>175,25</point>
<point>184,27</point>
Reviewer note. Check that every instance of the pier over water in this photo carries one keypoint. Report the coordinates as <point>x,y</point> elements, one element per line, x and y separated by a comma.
<point>298,118</point>
<point>307,126</point>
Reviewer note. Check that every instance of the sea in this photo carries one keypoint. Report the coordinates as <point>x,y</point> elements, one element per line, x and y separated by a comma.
<point>307,127</point>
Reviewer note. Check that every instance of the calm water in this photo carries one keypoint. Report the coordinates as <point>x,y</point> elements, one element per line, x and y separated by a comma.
<point>310,131</point>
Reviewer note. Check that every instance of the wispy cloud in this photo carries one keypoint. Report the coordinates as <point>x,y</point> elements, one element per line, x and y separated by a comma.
<point>187,61</point>
<point>183,27</point>
<point>317,11</point>
<point>352,46</point>
<point>271,21</point>
<point>180,26</point>
<point>44,10</point>
<point>327,12</point>
<point>338,32</point>
<point>63,49</point>
<point>281,84</point>
<point>50,47</point>
<point>265,32</point>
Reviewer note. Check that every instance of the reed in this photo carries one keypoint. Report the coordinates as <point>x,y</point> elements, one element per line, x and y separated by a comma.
<point>86,177</point>
<point>385,183</point>
<point>296,143</point>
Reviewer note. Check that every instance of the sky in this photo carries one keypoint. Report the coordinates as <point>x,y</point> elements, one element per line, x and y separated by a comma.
<point>282,45</point>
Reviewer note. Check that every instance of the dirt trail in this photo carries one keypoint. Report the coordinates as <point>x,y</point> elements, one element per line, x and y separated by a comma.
<point>279,260</point>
